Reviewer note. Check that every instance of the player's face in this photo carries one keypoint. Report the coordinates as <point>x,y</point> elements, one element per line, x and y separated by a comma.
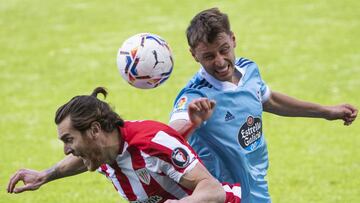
<point>81,145</point>
<point>218,57</point>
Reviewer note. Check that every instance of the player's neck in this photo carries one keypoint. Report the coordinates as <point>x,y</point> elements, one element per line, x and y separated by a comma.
<point>111,146</point>
<point>236,77</point>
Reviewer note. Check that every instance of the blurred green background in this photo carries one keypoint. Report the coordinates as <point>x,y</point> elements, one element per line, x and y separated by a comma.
<point>53,50</point>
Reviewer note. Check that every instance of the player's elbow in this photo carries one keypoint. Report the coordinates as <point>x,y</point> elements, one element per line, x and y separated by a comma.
<point>214,192</point>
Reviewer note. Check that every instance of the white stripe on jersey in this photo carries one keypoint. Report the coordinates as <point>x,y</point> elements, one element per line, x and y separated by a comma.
<point>168,141</point>
<point>266,95</point>
<point>169,185</point>
<point>124,162</point>
<point>162,138</point>
<point>115,181</point>
<point>179,115</point>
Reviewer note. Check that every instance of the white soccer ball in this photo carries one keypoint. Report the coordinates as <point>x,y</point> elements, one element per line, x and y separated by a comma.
<point>145,60</point>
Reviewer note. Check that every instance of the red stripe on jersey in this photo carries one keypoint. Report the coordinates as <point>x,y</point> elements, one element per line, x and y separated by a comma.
<point>104,169</point>
<point>231,198</point>
<point>124,183</point>
<point>152,187</point>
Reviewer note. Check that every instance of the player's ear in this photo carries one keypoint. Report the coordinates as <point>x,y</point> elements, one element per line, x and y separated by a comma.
<point>233,38</point>
<point>193,54</point>
<point>95,129</point>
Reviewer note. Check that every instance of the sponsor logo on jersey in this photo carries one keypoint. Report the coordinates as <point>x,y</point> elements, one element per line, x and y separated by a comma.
<point>250,133</point>
<point>229,116</point>
<point>152,199</point>
<point>180,105</point>
<point>180,157</point>
<point>144,175</point>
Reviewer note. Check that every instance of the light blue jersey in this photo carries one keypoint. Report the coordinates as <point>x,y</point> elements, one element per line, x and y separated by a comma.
<point>231,143</point>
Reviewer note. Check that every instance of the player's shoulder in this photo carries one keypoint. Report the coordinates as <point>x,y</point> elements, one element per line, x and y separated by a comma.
<point>135,131</point>
<point>248,67</point>
<point>197,85</point>
<point>140,133</point>
<point>198,82</point>
<point>243,62</point>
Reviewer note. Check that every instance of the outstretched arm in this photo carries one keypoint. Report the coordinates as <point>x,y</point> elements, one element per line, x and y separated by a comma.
<point>199,110</point>
<point>33,180</point>
<point>284,105</point>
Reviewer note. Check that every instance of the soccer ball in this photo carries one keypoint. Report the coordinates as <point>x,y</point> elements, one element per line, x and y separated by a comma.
<point>145,60</point>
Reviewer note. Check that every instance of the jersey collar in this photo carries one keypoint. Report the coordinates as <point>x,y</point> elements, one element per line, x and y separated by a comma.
<point>122,143</point>
<point>223,85</point>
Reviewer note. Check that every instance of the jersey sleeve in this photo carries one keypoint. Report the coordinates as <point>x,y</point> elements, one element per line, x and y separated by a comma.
<point>251,68</point>
<point>182,103</point>
<point>170,155</point>
<point>233,192</point>
<point>264,91</point>
<point>264,88</point>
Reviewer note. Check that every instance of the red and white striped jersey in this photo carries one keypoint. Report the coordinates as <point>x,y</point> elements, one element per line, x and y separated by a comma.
<point>151,162</point>
<point>233,192</point>
<point>153,159</point>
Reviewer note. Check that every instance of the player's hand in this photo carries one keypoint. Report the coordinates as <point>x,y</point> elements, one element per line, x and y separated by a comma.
<point>200,110</point>
<point>346,112</point>
<point>32,180</point>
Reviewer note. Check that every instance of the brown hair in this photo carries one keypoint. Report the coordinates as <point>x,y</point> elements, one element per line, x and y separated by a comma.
<point>85,109</point>
<point>206,26</point>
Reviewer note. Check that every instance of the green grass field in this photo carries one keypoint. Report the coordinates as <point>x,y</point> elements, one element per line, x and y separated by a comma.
<point>53,50</point>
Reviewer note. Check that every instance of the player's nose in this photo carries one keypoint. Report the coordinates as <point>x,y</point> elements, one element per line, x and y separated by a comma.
<point>219,60</point>
<point>67,150</point>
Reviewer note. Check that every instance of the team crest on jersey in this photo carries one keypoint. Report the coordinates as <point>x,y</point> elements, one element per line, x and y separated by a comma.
<point>250,133</point>
<point>180,105</point>
<point>144,175</point>
<point>180,157</point>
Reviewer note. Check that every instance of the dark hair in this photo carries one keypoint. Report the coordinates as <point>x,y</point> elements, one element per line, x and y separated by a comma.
<point>206,26</point>
<point>85,109</point>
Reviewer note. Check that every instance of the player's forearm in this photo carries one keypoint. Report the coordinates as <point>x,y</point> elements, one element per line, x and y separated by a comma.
<point>183,127</point>
<point>284,105</point>
<point>69,166</point>
<point>207,191</point>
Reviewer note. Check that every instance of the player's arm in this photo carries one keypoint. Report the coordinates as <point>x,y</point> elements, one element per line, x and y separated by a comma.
<point>205,187</point>
<point>32,179</point>
<point>183,127</point>
<point>199,110</point>
<point>284,105</point>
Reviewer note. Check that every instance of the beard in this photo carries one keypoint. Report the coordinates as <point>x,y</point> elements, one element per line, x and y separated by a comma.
<point>91,164</point>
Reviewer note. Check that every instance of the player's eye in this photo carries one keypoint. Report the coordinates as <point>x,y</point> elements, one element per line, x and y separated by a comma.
<point>68,140</point>
<point>225,50</point>
<point>208,57</point>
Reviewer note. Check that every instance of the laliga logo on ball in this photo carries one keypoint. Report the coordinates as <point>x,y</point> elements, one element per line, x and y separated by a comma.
<point>145,60</point>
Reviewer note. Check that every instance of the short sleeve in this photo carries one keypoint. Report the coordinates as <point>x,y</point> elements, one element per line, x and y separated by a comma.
<point>170,155</point>
<point>264,91</point>
<point>252,69</point>
<point>264,88</point>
